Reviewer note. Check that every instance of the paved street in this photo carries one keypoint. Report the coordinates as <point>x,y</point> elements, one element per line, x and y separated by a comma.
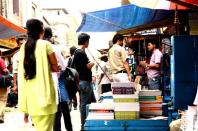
<point>14,121</point>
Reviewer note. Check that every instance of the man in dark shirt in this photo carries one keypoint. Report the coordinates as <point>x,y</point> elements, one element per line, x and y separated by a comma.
<point>83,66</point>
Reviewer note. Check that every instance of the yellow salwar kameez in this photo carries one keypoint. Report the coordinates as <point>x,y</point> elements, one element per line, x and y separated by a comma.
<point>37,96</point>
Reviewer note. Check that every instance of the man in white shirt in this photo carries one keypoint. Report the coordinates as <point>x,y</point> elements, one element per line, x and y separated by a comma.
<point>16,57</point>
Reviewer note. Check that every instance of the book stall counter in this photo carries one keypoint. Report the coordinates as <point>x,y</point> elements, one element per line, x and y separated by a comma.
<point>183,92</point>
<point>121,110</point>
<point>126,125</point>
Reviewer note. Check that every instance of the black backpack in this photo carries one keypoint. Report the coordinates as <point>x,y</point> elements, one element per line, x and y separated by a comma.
<point>71,78</point>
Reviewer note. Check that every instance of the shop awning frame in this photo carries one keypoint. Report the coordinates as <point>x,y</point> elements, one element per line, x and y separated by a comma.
<point>9,29</point>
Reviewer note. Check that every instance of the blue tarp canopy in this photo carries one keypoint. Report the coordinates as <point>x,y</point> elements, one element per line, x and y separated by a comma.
<point>125,18</point>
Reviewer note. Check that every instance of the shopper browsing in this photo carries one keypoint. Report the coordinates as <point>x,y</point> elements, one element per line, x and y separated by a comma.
<point>118,61</point>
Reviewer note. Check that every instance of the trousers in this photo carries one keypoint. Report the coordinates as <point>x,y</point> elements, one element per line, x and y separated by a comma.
<point>63,108</point>
<point>86,97</point>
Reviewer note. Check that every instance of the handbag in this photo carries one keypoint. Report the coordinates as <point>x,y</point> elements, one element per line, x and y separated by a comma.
<point>5,80</point>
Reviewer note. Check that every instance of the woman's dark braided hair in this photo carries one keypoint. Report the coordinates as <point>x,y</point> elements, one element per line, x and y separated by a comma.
<point>34,29</point>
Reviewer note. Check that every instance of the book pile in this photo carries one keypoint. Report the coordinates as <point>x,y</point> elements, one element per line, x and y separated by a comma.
<point>123,88</point>
<point>127,110</point>
<point>101,111</point>
<point>126,101</point>
<point>150,102</point>
<point>189,119</point>
<point>126,98</point>
<point>107,96</point>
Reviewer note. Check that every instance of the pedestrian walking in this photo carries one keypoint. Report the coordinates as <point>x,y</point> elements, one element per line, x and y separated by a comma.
<point>3,90</point>
<point>37,95</point>
<point>58,78</point>
<point>70,61</point>
<point>84,66</point>
<point>16,57</point>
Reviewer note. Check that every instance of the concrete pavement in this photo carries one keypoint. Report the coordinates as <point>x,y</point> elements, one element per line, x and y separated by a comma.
<point>14,121</point>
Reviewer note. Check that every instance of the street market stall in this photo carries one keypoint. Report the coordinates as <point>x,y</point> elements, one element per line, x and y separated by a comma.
<point>130,19</point>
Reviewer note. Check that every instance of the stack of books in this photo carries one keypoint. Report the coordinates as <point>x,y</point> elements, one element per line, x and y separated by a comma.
<point>101,111</point>
<point>190,118</point>
<point>126,98</point>
<point>123,88</point>
<point>126,101</point>
<point>107,96</point>
<point>127,110</point>
<point>150,102</point>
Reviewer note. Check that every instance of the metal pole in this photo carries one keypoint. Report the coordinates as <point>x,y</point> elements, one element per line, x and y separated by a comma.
<point>98,65</point>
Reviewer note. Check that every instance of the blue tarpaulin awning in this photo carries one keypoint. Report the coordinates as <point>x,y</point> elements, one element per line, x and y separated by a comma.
<point>124,18</point>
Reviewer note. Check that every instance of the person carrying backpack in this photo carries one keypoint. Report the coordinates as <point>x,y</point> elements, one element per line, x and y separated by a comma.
<point>70,61</point>
<point>63,108</point>
<point>83,66</point>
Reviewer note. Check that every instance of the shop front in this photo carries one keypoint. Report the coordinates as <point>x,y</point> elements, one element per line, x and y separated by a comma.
<point>130,19</point>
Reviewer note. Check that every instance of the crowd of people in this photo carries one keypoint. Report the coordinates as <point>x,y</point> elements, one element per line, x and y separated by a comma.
<point>39,82</point>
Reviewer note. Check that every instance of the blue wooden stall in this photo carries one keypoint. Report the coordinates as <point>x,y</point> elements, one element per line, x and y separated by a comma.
<point>184,70</point>
<point>184,77</point>
<point>126,125</point>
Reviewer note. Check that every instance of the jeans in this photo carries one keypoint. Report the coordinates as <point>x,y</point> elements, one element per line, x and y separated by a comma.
<point>63,93</point>
<point>63,109</point>
<point>86,95</point>
<point>154,83</point>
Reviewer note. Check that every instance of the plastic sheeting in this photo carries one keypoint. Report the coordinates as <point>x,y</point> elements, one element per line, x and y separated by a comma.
<point>122,18</point>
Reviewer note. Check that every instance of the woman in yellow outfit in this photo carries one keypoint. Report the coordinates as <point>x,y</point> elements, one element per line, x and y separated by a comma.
<point>37,94</point>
